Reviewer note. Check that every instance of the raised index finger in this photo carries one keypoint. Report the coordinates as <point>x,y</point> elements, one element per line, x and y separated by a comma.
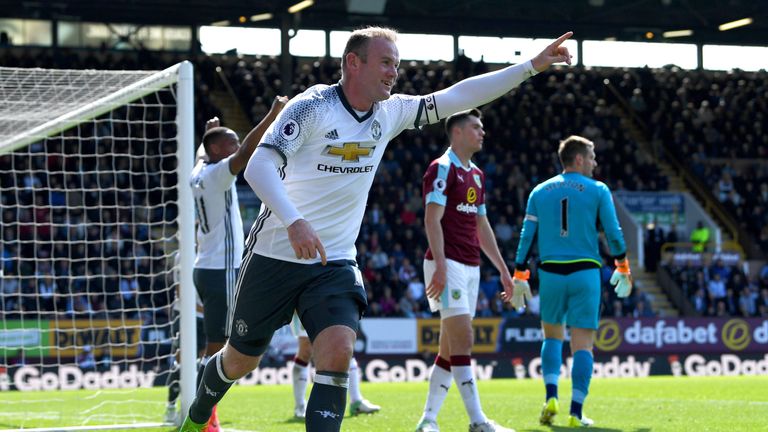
<point>321,249</point>
<point>561,39</point>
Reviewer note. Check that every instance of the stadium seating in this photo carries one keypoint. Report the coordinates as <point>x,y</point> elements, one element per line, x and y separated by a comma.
<point>720,290</point>
<point>715,122</point>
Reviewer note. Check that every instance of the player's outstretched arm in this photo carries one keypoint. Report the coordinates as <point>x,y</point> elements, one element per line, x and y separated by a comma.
<point>240,158</point>
<point>479,90</point>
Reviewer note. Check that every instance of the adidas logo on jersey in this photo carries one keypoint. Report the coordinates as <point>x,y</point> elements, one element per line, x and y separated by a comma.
<point>332,135</point>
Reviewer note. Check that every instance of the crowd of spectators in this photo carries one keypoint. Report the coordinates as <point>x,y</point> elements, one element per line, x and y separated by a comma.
<point>718,289</point>
<point>523,130</point>
<point>715,124</point>
<point>88,214</point>
<point>81,239</point>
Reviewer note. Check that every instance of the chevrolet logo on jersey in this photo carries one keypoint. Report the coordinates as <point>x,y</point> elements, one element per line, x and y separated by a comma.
<point>349,152</point>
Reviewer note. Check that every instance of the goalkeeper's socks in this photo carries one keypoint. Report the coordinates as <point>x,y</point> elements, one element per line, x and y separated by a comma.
<point>211,390</point>
<point>551,391</point>
<point>551,361</point>
<point>581,375</point>
<point>576,409</point>
<point>173,383</point>
<point>327,402</point>
<point>440,379</point>
<point>354,382</point>
<point>300,380</point>
<point>461,368</point>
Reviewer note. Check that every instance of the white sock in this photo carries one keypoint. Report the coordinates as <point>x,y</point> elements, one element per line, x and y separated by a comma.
<point>439,384</point>
<point>354,382</point>
<point>300,379</point>
<point>466,382</point>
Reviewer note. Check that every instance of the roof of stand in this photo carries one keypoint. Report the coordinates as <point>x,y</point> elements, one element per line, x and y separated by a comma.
<point>590,19</point>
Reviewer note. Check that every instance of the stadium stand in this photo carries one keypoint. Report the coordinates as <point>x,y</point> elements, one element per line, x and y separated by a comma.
<point>716,122</point>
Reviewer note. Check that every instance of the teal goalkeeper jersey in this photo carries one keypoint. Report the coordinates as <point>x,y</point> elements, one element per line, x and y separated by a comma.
<point>566,212</point>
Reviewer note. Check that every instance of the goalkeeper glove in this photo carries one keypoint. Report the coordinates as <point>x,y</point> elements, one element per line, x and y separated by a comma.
<point>521,289</point>
<point>622,278</point>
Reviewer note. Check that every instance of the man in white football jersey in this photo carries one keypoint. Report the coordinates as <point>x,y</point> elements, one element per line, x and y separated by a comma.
<point>219,225</point>
<point>312,172</point>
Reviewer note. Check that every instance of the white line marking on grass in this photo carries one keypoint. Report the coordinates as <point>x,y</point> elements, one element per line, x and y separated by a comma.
<point>710,401</point>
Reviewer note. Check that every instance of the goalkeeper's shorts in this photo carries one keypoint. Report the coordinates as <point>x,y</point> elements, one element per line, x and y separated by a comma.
<point>572,299</point>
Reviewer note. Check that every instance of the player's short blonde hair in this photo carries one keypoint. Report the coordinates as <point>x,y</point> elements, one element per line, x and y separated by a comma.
<point>572,146</point>
<point>359,39</point>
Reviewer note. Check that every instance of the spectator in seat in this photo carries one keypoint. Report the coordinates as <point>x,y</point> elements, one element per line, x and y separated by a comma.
<point>700,237</point>
<point>716,288</point>
<point>699,301</point>
<point>86,359</point>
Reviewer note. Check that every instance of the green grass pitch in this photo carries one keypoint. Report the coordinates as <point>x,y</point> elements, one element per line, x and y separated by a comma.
<point>650,404</point>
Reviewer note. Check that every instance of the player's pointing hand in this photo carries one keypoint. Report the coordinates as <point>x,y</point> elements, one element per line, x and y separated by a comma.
<point>553,53</point>
<point>305,242</point>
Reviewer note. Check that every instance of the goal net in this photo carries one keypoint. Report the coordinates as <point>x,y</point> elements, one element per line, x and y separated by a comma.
<point>93,175</point>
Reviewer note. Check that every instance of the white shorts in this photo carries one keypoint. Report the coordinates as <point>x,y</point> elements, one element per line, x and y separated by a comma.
<point>461,287</point>
<point>296,327</point>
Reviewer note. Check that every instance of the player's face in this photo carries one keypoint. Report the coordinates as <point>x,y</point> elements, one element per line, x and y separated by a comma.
<point>589,163</point>
<point>228,144</point>
<point>380,69</point>
<point>472,133</point>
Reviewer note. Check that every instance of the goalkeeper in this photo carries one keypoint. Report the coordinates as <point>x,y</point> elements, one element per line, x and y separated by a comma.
<point>565,211</point>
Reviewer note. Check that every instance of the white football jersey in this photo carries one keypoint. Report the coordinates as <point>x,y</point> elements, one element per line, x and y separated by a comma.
<point>220,239</point>
<point>330,155</point>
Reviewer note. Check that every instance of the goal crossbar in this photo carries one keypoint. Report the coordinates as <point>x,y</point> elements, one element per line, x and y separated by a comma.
<point>132,92</point>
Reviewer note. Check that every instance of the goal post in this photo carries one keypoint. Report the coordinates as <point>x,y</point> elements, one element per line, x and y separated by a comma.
<point>95,221</point>
<point>185,116</point>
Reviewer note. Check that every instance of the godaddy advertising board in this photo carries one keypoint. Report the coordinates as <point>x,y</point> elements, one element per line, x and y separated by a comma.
<point>392,350</point>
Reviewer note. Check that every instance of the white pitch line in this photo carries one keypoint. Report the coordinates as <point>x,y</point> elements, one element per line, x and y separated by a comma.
<point>709,401</point>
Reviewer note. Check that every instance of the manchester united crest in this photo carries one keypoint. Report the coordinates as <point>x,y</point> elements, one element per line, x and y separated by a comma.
<point>376,130</point>
<point>241,327</point>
